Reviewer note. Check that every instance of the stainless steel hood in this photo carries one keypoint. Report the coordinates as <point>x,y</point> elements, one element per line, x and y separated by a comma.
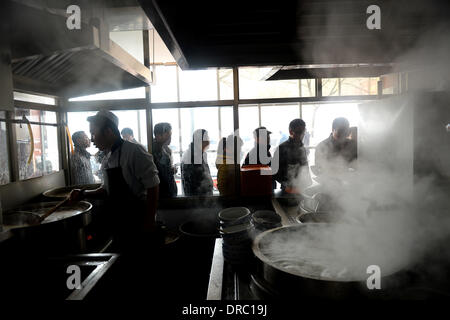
<point>49,58</point>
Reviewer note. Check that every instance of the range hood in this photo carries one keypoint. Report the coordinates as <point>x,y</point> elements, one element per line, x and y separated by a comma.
<point>48,58</point>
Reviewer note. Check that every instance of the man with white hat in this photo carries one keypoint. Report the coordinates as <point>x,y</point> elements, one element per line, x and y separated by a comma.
<point>130,182</point>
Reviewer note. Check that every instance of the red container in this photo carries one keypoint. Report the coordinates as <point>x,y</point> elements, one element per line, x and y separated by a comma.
<point>256,180</point>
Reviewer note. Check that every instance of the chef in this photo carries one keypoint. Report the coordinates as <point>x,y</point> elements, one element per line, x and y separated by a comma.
<point>130,183</point>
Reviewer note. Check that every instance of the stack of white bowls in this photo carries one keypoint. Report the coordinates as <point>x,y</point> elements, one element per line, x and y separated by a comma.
<point>235,229</point>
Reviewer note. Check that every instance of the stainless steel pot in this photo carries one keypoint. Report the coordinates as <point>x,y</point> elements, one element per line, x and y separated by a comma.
<point>289,274</point>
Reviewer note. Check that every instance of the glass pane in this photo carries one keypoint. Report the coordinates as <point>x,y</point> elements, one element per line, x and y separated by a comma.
<point>34,98</point>
<point>45,158</point>
<point>198,85</point>
<point>136,93</point>
<point>132,119</point>
<point>248,121</point>
<point>226,121</point>
<point>308,87</point>
<point>319,118</point>
<point>252,85</point>
<point>330,87</point>
<point>48,116</point>
<point>226,84</point>
<point>355,86</point>
<point>2,115</point>
<point>374,85</point>
<point>32,115</point>
<point>200,118</point>
<point>4,160</point>
<point>276,119</point>
<point>164,87</point>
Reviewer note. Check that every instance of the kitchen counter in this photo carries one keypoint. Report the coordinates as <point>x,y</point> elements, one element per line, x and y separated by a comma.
<point>424,281</point>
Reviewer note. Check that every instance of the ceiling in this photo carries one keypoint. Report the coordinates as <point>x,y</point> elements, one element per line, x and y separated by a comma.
<point>203,34</point>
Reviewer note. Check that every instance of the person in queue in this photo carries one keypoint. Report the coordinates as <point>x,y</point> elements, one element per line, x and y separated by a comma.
<point>293,170</point>
<point>128,135</point>
<point>163,160</point>
<point>337,152</point>
<point>226,165</point>
<point>80,160</point>
<point>260,153</point>
<point>195,174</point>
<point>130,184</point>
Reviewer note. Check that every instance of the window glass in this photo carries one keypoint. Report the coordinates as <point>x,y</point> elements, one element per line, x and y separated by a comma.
<point>330,87</point>
<point>226,121</point>
<point>355,86</point>
<point>308,87</point>
<point>164,86</point>
<point>30,114</point>
<point>252,85</point>
<point>135,93</point>
<point>248,121</point>
<point>20,96</point>
<point>198,85</point>
<point>276,118</point>
<point>226,84</point>
<point>136,121</point>
<point>4,159</point>
<point>45,157</point>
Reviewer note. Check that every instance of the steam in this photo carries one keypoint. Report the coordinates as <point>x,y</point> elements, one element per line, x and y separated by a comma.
<point>391,217</point>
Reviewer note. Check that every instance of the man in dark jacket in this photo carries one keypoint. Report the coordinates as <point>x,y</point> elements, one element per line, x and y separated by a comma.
<point>337,152</point>
<point>162,156</point>
<point>260,153</point>
<point>293,170</point>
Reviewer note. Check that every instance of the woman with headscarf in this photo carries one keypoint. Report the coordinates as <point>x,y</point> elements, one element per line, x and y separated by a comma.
<point>195,174</point>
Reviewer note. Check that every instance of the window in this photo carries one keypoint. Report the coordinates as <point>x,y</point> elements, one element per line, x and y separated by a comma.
<point>20,96</point>
<point>319,118</point>
<point>252,85</point>
<point>248,121</point>
<point>164,87</point>
<point>349,86</point>
<point>136,93</point>
<point>37,152</point>
<point>276,118</point>
<point>4,158</point>
<point>191,85</point>
<point>198,85</point>
<point>134,119</point>
<point>218,121</point>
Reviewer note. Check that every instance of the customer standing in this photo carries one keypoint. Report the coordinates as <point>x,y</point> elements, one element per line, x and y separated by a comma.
<point>195,174</point>
<point>162,156</point>
<point>293,171</point>
<point>80,160</point>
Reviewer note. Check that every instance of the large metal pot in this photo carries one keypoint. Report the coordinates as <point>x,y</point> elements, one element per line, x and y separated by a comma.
<point>62,230</point>
<point>63,192</point>
<point>292,261</point>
